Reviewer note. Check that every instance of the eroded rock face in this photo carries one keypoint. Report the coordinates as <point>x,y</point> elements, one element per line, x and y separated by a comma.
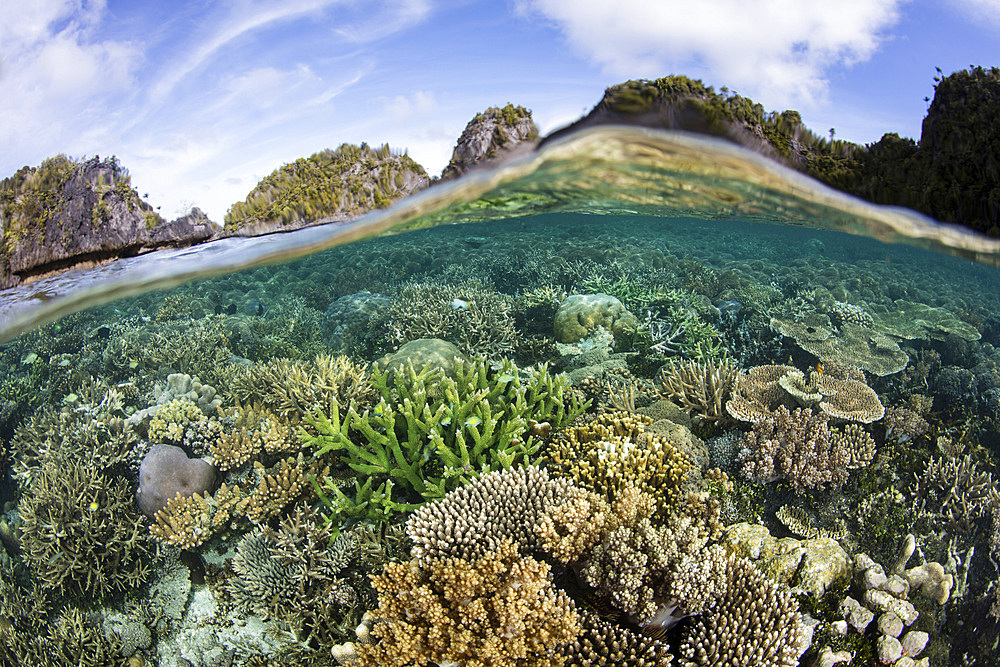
<point>490,135</point>
<point>64,213</point>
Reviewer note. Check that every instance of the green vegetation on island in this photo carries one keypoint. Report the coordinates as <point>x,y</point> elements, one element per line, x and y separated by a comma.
<point>341,184</point>
<point>952,174</point>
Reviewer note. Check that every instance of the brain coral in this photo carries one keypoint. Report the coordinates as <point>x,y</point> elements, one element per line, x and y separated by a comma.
<point>580,315</point>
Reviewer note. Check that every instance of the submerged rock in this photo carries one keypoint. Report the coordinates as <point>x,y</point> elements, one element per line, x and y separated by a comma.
<point>422,352</point>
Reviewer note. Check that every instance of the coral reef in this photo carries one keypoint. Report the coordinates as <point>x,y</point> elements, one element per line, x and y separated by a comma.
<point>800,448</point>
<point>429,433</point>
<point>471,314</point>
<point>500,608</point>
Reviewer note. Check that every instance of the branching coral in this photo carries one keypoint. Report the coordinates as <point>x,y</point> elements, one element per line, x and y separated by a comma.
<point>800,448</point>
<point>300,579</point>
<point>188,521</point>
<point>250,432</point>
<point>33,633</point>
<point>601,643</point>
<point>953,490</point>
<point>430,433</point>
<point>500,506</point>
<point>300,387</point>
<point>613,452</point>
<point>80,529</point>
<point>754,622</point>
<point>657,573</point>
<point>700,387</point>
<point>500,609</point>
<point>472,315</point>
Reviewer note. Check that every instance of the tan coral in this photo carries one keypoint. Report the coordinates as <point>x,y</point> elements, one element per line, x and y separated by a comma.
<point>499,506</point>
<point>498,610</point>
<point>763,389</point>
<point>571,528</point>
<point>281,486</point>
<point>700,387</point>
<point>185,522</point>
<point>756,622</point>
<point>757,391</point>
<point>256,430</point>
<point>850,400</point>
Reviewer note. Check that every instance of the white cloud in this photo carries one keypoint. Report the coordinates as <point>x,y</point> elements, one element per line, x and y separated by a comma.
<point>56,71</point>
<point>401,107</point>
<point>774,50</point>
<point>981,10</point>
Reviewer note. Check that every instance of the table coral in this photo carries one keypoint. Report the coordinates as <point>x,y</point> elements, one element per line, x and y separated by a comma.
<point>498,610</point>
<point>841,393</point>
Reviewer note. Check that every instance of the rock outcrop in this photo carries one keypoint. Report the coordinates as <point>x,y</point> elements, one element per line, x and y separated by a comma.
<point>64,213</point>
<point>492,134</point>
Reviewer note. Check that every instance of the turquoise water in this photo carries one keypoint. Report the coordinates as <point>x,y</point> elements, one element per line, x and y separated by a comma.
<point>697,380</point>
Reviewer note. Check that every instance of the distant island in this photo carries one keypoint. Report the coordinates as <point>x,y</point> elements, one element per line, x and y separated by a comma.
<point>65,213</point>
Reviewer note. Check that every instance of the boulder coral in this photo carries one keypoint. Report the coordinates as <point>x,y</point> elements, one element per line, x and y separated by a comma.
<point>165,472</point>
<point>580,315</point>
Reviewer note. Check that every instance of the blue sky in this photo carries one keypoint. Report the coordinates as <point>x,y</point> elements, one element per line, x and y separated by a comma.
<point>201,100</point>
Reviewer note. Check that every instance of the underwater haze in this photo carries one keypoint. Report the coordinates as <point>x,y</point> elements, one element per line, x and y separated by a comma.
<point>640,398</point>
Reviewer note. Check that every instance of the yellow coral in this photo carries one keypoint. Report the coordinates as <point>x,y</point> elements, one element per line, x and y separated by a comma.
<point>186,521</point>
<point>500,610</point>
<point>172,419</point>
<point>614,452</point>
<point>283,485</point>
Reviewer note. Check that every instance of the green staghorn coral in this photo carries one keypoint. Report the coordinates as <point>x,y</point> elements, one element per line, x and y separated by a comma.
<point>431,433</point>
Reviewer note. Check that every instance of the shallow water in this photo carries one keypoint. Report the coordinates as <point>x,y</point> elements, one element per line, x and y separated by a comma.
<point>887,324</point>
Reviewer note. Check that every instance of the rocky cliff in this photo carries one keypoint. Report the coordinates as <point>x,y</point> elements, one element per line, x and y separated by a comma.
<point>489,136</point>
<point>64,213</point>
<point>953,173</point>
<point>329,186</point>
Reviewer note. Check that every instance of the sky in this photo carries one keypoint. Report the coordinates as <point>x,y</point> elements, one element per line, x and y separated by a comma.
<point>199,101</point>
